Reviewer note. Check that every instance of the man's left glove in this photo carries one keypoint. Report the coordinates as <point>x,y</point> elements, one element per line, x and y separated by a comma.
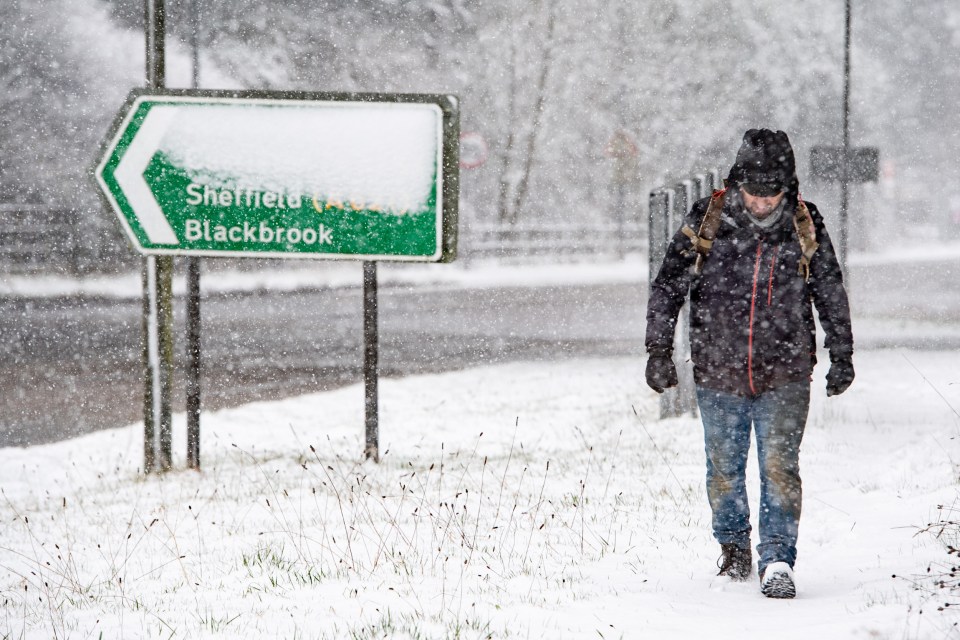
<point>840,375</point>
<point>661,372</point>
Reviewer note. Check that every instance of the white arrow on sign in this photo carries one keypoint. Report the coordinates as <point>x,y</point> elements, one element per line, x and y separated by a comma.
<point>129,175</point>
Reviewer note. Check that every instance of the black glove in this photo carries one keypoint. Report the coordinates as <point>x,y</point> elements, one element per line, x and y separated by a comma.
<point>840,375</point>
<point>661,372</point>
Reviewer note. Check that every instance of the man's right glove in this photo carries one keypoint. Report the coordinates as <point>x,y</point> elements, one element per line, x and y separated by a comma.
<point>661,372</point>
<point>840,375</point>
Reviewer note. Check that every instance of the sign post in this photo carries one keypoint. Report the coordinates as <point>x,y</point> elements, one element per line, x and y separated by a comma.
<point>371,356</point>
<point>365,177</point>
<point>157,293</point>
<point>194,355</point>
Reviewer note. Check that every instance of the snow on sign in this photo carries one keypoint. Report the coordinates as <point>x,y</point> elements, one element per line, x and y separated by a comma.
<point>297,175</point>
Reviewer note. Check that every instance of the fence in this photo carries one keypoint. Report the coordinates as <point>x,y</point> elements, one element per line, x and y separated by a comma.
<point>38,238</point>
<point>35,238</point>
<point>668,207</point>
<point>556,240</point>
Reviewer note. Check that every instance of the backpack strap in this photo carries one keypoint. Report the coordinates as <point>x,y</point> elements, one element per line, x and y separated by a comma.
<point>807,235</point>
<point>702,241</point>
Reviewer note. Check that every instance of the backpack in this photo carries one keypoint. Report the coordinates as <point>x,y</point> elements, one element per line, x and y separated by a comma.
<point>702,241</point>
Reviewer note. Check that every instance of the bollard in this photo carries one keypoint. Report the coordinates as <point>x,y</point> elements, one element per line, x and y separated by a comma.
<point>668,206</point>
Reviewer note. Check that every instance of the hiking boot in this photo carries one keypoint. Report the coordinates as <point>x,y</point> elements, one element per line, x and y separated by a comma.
<point>776,581</point>
<point>735,563</point>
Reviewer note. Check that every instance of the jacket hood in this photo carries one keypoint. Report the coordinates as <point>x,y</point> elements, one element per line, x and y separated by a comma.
<point>765,156</point>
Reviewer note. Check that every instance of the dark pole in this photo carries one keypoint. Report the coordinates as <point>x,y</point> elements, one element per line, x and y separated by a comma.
<point>845,159</point>
<point>158,294</point>
<point>627,168</point>
<point>195,42</point>
<point>194,361</point>
<point>370,360</point>
<point>150,374</point>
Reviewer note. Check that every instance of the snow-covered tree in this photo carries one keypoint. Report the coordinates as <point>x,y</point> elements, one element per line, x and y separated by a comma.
<point>547,83</point>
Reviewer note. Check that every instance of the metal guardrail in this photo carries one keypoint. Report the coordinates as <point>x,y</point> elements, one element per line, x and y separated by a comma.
<point>668,208</point>
<point>555,240</point>
<point>39,239</point>
<point>36,238</point>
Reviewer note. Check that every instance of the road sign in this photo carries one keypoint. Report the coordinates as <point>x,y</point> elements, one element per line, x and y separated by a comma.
<point>863,164</point>
<point>473,150</point>
<point>290,175</point>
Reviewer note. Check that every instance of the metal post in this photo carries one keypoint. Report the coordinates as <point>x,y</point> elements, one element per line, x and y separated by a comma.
<point>194,361</point>
<point>622,117</point>
<point>158,292</point>
<point>660,201</point>
<point>845,159</point>
<point>677,401</point>
<point>370,361</point>
<point>150,374</point>
<point>195,42</point>
<point>165,344</point>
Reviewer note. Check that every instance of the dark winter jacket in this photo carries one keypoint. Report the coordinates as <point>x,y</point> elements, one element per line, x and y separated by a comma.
<point>751,320</point>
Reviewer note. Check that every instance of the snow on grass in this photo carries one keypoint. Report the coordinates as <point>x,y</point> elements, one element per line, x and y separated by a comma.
<point>523,500</point>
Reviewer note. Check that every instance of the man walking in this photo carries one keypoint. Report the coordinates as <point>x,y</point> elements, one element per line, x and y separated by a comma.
<point>753,258</point>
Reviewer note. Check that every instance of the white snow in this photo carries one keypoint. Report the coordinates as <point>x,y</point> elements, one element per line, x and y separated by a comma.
<point>776,567</point>
<point>524,500</point>
<point>378,154</point>
<point>918,253</point>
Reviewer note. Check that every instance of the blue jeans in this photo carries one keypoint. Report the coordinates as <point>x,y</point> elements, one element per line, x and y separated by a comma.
<point>778,417</point>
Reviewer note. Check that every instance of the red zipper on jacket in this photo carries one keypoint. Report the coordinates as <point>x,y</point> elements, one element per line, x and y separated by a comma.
<point>753,307</point>
<point>753,303</point>
<point>773,262</point>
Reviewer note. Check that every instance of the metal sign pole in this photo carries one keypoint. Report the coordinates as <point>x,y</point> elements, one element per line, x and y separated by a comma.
<point>149,373</point>
<point>845,157</point>
<point>194,359</point>
<point>194,363</point>
<point>158,292</point>
<point>370,361</point>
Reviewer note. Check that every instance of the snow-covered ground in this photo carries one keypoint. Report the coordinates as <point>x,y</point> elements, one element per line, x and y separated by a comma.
<point>526,500</point>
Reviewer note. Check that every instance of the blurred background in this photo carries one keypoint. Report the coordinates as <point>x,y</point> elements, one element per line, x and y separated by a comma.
<point>552,92</point>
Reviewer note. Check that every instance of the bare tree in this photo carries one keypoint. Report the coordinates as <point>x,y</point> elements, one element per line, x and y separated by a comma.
<point>517,163</point>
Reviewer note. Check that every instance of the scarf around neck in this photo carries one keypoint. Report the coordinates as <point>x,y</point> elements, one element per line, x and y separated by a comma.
<point>770,221</point>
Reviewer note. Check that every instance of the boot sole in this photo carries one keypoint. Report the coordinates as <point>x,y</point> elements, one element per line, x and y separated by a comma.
<point>779,586</point>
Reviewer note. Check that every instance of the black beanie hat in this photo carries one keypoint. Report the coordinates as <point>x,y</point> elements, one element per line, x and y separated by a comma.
<point>765,157</point>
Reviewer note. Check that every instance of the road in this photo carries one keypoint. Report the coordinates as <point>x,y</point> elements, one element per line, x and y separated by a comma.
<point>72,365</point>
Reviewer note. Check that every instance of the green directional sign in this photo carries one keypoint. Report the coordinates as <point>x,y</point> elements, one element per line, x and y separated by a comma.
<point>296,175</point>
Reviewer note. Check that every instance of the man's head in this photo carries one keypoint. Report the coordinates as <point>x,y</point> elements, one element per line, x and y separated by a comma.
<point>765,170</point>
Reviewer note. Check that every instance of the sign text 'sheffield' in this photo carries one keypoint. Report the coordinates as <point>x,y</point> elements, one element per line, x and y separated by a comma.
<point>241,197</point>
